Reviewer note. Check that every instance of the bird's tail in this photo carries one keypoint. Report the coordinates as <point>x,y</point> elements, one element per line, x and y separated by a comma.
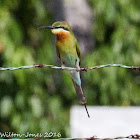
<point>77,84</point>
<point>81,96</point>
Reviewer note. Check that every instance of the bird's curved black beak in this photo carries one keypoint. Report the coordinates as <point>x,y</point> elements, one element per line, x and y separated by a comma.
<point>48,27</point>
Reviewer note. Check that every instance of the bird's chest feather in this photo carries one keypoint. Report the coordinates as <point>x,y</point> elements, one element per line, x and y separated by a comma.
<point>66,49</point>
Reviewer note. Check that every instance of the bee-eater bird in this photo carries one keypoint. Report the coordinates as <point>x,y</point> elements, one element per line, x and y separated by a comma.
<point>68,51</point>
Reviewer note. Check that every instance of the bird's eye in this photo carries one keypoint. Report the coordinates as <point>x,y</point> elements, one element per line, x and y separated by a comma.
<point>63,28</point>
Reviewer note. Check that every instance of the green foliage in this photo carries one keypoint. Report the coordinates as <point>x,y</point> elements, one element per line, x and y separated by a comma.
<point>30,101</point>
<point>38,100</point>
<point>116,30</point>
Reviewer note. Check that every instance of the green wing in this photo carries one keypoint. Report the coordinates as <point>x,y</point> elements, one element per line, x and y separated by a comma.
<point>57,51</point>
<point>78,49</point>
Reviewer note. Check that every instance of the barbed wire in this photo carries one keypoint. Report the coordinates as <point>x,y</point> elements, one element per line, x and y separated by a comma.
<point>136,136</point>
<point>70,68</point>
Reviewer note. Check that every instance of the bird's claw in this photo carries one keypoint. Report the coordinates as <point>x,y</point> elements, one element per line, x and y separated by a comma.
<point>63,67</point>
<point>78,68</point>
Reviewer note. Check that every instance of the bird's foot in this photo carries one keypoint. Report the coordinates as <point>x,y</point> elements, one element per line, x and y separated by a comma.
<point>78,68</point>
<point>62,67</point>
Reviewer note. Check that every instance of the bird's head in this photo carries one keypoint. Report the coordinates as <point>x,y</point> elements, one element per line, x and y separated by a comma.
<point>60,27</point>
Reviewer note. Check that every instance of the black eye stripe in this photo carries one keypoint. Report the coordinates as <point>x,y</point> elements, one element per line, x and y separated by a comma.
<point>66,29</point>
<point>57,27</point>
<point>61,27</point>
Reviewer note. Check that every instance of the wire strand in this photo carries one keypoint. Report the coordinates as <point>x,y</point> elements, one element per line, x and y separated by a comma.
<point>70,68</point>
